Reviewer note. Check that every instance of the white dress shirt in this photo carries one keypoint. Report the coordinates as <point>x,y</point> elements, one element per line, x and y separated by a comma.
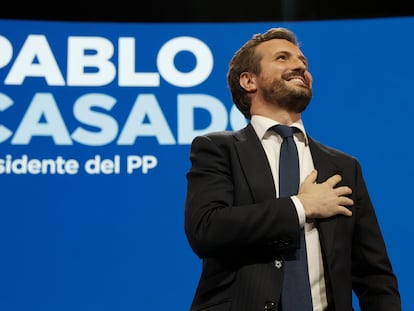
<point>271,142</point>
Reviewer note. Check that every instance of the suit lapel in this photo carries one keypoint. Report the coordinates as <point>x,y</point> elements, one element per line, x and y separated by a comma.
<point>258,174</point>
<point>326,167</point>
<point>254,164</point>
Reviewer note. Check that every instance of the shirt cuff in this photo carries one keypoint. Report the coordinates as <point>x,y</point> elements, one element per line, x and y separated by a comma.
<point>300,211</point>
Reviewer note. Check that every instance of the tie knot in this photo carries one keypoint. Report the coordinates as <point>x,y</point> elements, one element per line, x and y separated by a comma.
<point>284,130</point>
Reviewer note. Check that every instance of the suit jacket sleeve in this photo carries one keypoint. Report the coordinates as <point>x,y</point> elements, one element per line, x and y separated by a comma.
<point>355,253</point>
<point>373,279</point>
<point>224,217</point>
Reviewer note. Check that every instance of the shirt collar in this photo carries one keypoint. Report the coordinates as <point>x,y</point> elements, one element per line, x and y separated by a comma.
<point>262,124</point>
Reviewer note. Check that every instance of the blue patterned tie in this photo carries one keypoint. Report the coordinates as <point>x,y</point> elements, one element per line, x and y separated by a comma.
<point>296,294</point>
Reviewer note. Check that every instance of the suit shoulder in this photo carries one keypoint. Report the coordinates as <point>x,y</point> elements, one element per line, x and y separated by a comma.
<point>216,137</point>
<point>333,151</point>
<point>223,137</point>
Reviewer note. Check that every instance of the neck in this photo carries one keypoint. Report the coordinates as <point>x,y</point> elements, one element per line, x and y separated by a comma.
<point>281,116</point>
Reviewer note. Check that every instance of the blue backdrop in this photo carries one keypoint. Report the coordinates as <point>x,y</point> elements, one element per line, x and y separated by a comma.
<point>95,125</point>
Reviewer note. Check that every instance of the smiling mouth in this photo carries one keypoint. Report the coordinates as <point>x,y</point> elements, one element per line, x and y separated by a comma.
<point>298,81</point>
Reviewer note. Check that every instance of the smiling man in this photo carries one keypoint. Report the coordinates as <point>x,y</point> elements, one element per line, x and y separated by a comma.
<point>266,247</point>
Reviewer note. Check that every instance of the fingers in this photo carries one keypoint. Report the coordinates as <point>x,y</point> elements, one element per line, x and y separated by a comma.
<point>325,199</point>
<point>311,178</point>
<point>344,211</point>
<point>331,181</point>
<point>344,201</point>
<point>334,180</point>
<point>343,190</point>
<point>340,191</point>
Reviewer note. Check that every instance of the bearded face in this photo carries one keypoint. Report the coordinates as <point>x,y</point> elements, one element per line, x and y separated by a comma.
<point>292,92</point>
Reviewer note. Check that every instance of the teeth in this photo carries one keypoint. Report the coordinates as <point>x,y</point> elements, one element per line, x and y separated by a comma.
<point>297,80</point>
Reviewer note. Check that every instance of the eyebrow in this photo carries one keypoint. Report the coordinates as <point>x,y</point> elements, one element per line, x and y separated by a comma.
<point>301,56</point>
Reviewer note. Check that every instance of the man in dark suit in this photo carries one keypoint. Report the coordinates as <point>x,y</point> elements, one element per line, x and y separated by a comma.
<point>244,231</point>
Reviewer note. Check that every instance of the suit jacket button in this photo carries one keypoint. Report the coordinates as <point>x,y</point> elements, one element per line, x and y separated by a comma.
<point>269,305</point>
<point>278,264</point>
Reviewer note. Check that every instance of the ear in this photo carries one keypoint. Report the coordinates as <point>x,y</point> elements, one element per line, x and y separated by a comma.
<point>248,81</point>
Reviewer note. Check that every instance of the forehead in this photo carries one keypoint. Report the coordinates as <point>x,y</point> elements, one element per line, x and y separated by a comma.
<point>275,46</point>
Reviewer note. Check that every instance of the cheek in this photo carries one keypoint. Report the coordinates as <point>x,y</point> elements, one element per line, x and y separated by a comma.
<point>309,78</point>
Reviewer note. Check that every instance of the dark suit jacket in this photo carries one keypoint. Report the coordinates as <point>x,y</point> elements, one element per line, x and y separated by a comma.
<point>235,223</point>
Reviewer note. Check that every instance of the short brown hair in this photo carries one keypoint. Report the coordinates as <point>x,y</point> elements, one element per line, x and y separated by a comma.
<point>246,60</point>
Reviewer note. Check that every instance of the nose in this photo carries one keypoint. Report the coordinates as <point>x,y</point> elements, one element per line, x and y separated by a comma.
<point>299,64</point>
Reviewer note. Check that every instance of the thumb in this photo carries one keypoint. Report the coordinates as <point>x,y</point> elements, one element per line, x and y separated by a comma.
<point>311,178</point>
